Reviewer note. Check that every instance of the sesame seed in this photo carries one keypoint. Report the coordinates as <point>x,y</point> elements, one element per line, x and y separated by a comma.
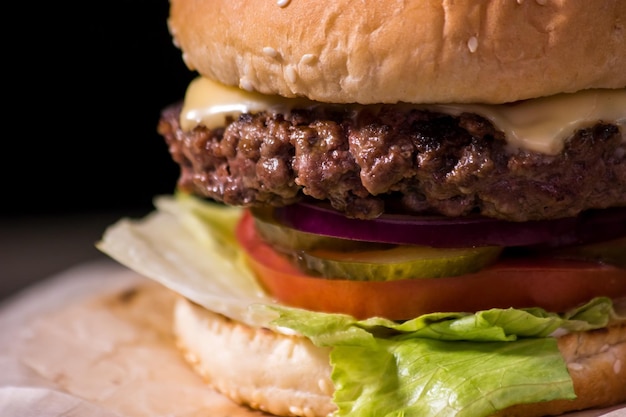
<point>291,74</point>
<point>282,3</point>
<point>575,366</point>
<point>542,2</point>
<point>308,59</point>
<point>269,51</point>
<point>324,386</point>
<point>246,84</point>
<point>604,348</point>
<point>295,410</point>
<point>617,366</point>
<point>472,44</point>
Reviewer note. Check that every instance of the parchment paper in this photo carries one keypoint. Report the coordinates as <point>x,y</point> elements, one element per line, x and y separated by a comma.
<point>96,341</point>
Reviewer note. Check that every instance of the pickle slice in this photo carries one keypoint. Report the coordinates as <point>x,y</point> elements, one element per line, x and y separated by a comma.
<point>400,262</point>
<point>612,252</point>
<point>288,240</point>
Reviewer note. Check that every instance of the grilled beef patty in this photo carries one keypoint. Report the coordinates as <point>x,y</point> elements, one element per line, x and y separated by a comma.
<point>367,163</point>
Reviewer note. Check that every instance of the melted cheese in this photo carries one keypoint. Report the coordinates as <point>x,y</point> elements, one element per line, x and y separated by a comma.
<point>538,125</point>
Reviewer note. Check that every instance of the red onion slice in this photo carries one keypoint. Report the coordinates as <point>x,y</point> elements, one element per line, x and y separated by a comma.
<point>437,231</point>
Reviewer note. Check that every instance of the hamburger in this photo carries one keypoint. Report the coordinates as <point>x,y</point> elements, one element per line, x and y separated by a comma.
<point>401,208</point>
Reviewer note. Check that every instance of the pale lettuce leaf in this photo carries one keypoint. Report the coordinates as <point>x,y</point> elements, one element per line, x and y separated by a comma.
<point>189,247</point>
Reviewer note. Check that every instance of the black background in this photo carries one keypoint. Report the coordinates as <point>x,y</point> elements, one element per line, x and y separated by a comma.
<point>83,87</point>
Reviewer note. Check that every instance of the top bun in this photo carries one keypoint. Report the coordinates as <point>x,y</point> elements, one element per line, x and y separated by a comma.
<point>416,51</point>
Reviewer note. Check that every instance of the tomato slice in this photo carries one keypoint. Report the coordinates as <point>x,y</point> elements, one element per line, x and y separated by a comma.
<point>553,284</point>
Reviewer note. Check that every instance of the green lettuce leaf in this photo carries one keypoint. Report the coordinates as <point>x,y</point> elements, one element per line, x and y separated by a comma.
<point>444,364</point>
<point>441,364</point>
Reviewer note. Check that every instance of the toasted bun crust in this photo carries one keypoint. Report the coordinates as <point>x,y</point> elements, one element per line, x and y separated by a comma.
<point>286,376</point>
<point>412,51</point>
<point>289,376</point>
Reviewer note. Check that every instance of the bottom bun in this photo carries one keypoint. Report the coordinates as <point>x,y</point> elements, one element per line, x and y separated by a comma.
<point>289,376</point>
<point>279,374</point>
